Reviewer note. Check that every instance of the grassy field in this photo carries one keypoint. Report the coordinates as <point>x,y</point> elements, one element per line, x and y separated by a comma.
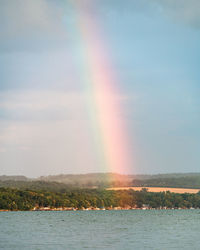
<point>159,189</point>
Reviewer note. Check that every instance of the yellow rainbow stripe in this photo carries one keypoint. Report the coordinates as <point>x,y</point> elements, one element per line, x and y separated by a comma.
<point>110,132</point>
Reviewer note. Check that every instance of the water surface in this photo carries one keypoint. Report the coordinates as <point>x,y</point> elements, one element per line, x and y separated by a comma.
<point>132,229</point>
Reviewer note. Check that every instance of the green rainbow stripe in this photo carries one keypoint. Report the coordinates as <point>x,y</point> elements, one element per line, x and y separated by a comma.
<point>109,130</point>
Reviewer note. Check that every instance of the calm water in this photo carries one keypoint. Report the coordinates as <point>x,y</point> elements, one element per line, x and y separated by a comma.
<point>172,229</point>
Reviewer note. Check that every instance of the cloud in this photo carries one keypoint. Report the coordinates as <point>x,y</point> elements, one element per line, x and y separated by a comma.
<point>43,130</point>
<point>41,24</point>
<point>42,105</point>
<point>36,148</point>
<point>46,105</point>
<point>2,150</point>
<point>29,24</point>
<point>185,11</point>
<point>47,132</point>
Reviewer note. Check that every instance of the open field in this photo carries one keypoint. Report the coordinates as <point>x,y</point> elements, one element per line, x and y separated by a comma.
<point>159,189</point>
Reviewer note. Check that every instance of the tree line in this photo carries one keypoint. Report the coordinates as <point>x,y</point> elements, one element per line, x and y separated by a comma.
<point>16,199</point>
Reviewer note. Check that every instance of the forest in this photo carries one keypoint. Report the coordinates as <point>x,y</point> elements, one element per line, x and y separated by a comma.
<point>13,199</point>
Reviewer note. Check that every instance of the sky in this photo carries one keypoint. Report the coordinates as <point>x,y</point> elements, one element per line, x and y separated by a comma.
<point>99,86</point>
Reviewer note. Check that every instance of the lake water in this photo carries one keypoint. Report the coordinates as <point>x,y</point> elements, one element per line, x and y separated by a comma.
<point>132,229</point>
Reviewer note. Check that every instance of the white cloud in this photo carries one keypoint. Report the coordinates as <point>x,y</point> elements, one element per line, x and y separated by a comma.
<point>26,24</point>
<point>2,150</point>
<point>42,105</point>
<point>47,132</point>
<point>41,132</point>
<point>47,105</point>
<point>44,147</point>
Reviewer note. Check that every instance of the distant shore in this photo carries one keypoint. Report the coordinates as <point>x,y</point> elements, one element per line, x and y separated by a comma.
<point>119,198</point>
<point>159,189</point>
<point>98,209</point>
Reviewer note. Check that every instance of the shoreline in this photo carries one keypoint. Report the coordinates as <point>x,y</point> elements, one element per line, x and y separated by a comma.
<point>98,209</point>
<point>124,198</point>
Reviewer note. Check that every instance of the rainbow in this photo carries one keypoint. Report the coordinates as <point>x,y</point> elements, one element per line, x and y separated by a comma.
<point>109,130</point>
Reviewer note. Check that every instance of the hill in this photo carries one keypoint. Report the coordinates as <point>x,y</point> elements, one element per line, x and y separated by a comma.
<point>102,180</point>
<point>13,178</point>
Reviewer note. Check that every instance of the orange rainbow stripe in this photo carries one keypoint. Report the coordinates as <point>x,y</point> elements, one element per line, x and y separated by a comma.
<point>110,132</point>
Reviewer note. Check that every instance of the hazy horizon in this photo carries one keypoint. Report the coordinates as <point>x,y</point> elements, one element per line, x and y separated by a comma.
<point>93,173</point>
<point>99,86</point>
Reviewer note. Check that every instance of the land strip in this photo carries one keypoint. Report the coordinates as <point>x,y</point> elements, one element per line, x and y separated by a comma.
<point>159,189</point>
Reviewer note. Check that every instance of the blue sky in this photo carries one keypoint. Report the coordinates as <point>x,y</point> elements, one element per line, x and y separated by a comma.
<point>154,49</point>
